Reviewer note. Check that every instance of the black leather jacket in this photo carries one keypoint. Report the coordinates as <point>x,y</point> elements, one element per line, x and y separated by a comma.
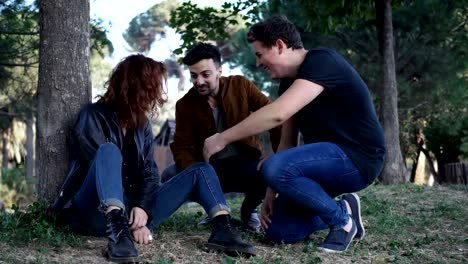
<point>96,125</point>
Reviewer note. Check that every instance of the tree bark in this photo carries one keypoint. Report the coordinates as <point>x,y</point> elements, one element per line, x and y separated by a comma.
<point>5,143</point>
<point>181,83</point>
<point>394,169</point>
<point>416,160</point>
<point>430,162</point>
<point>29,147</point>
<point>64,86</point>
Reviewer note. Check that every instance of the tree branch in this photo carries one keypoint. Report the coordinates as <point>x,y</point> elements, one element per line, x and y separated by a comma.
<point>33,33</point>
<point>32,64</point>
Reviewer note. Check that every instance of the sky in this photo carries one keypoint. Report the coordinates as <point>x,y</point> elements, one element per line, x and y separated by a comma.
<point>115,16</point>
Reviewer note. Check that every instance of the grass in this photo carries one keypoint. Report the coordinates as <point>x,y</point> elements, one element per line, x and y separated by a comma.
<point>404,224</point>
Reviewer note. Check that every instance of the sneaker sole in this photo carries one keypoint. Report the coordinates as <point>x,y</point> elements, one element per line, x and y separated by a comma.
<point>231,251</point>
<point>357,218</point>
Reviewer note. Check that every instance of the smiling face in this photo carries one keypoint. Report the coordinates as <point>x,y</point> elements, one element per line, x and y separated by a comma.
<point>205,76</point>
<point>268,58</point>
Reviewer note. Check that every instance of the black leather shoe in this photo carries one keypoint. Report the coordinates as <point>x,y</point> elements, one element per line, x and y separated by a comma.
<point>120,248</point>
<point>225,238</point>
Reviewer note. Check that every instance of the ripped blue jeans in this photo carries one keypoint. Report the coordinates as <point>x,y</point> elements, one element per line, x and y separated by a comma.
<point>103,187</point>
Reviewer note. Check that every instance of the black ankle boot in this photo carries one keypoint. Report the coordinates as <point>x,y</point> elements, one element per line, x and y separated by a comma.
<point>224,237</point>
<point>120,248</point>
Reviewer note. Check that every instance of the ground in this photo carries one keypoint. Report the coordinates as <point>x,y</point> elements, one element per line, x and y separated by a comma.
<point>404,224</point>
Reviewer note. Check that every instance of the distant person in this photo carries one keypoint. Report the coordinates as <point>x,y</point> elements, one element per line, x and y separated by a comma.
<point>214,104</point>
<point>112,188</point>
<point>323,97</point>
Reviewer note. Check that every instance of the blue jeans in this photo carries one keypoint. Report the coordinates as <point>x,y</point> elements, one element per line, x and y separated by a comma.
<point>103,187</point>
<point>307,178</point>
<point>236,174</point>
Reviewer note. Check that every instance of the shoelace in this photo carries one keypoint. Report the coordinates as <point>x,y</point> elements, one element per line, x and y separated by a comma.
<point>118,227</point>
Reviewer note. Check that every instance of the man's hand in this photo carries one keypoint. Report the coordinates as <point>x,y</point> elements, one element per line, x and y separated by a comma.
<point>267,209</point>
<point>213,145</point>
<point>138,218</point>
<point>142,235</point>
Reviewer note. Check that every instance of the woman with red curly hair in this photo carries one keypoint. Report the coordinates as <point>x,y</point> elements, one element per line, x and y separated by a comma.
<point>113,187</point>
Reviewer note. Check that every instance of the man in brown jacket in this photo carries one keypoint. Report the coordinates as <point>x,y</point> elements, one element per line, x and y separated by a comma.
<point>216,103</point>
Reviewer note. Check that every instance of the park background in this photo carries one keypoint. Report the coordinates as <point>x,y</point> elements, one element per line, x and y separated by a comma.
<point>411,53</point>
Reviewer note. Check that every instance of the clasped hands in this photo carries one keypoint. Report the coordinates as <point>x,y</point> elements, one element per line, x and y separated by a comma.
<point>138,220</point>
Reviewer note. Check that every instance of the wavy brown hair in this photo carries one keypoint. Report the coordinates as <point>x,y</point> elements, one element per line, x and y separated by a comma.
<point>135,89</point>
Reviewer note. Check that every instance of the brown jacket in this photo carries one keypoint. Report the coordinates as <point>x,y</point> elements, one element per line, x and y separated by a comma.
<point>237,98</point>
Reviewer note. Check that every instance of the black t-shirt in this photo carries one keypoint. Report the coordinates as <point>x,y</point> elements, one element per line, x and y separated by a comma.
<point>343,113</point>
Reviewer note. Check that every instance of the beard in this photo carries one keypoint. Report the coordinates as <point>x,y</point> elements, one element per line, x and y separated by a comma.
<point>203,89</point>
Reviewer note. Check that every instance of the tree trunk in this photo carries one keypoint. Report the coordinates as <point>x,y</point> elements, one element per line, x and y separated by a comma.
<point>416,161</point>
<point>181,83</point>
<point>29,147</point>
<point>394,169</point>
<point>64,85</point>
<point>5,143</point>
<point>430,162</point>
<point>456,173</point>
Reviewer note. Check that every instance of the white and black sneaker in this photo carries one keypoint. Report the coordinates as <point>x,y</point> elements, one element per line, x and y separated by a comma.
<point>338,240</point>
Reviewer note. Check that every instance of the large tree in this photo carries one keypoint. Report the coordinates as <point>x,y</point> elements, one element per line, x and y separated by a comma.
<point>64,85</point>
<point>394,170</point>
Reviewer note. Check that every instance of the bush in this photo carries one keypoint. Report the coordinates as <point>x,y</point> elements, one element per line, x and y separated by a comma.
<point>15,188</point>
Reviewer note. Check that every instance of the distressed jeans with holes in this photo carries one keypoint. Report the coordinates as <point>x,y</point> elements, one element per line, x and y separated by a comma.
<point>103,187</point>
<point>307,179</point>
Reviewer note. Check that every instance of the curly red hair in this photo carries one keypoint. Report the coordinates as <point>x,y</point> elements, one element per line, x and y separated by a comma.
<point>135,89</point>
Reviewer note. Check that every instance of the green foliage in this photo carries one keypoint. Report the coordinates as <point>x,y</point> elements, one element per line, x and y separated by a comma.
<point>15,188</point>
<point>19,43</point>
<point>33,225</point>
<point>447,138</point>
<point>18,33</point>
<point>100,44</point>
<point>162,261</point>
<point>328,16</point>
<point>15,179</point>
<point>196,24</point>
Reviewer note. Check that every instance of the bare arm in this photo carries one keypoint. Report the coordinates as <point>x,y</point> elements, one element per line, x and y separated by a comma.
<point>288,140</point>
<point>289,133</point>
<point>294,99</point>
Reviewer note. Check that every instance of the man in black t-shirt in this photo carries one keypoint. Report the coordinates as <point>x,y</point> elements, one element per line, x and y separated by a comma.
<point>323,97</point>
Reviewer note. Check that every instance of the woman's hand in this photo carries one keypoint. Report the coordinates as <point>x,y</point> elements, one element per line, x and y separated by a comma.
<point>138,218</point>
<point>142,235</point>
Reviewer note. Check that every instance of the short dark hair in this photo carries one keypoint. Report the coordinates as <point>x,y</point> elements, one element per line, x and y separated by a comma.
<point>274,28</point>
<point>200,52</point>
